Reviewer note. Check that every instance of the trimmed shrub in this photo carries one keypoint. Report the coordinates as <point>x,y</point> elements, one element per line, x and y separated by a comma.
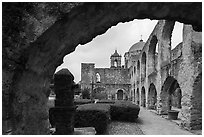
<point>86,93</point>
<point>100,96</point>
<point>93,115</point>
<point>106,101</point>
<point>124,111</point>
<point>82,101</point>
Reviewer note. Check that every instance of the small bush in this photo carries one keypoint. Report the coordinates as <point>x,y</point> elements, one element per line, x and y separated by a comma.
<point>93,115</point>
<point>86,93</point>
<point>106,101</point>
<point>100,95</point>
<point>82,101</point>
<point>124,111</point>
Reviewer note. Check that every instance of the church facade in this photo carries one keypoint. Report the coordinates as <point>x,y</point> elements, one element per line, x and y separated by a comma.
<point>114,81</point>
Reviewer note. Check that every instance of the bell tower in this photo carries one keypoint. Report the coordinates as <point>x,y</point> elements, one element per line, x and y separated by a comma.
<point>115,60</point>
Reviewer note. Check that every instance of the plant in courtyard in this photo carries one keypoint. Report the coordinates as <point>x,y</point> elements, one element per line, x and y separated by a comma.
<point>106,101</point>
<point>124,111</point>
<point>93,115</point>
<point>86,93</point>
<point>82,101</point>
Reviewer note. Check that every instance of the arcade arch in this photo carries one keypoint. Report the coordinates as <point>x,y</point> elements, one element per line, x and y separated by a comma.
<point>171,94</point>
<point>152,96</point>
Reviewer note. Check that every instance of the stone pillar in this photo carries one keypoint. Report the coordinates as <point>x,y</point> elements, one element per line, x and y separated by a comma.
<point>63,112</point>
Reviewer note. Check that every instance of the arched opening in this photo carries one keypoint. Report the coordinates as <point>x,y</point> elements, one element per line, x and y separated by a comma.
<point>134,69</point>
<point>138,97</point>
<point>196,113</point>
<point>138,70</point>
<point>143,62</point>
<point>134,96</point>
<point>47,51</point>
<point>115,63</point>
<point>143,97</point>
<point>171,94</point>
<point>98,78</point>
<point>152,96</point>
<point>153,55</point>
<point>120,94</point>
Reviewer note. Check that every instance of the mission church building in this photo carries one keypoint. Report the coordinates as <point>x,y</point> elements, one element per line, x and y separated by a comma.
<point>114,81</point>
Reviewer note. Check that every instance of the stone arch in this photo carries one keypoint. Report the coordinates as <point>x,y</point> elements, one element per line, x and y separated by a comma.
<point>138,69</point>
<point>134,69</point>
<point>152,96</point>
<point>152,54</point>
<point>120,94</point>
<point>143,97</point>
<point>143,66</point>
<point>171,94</point>
<point>196,113</point>
<point>46,53</point>
<point>138,96</point>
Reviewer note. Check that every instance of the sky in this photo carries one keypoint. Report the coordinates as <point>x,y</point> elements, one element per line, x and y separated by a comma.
<point>120,37</point>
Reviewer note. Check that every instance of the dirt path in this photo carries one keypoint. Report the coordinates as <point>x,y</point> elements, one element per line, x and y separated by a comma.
<point>124,128</point>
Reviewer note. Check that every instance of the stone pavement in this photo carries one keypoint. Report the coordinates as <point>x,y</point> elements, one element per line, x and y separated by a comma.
<point>152,124</point>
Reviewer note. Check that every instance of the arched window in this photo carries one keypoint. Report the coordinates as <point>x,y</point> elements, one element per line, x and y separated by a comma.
<point>98,78</point>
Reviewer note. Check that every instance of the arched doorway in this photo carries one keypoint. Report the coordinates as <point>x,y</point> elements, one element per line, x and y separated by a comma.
<point>170,94</point>
<point>138,97</point>
<point>143,97</point>
<point>152,96</point>
<point>120,94</point>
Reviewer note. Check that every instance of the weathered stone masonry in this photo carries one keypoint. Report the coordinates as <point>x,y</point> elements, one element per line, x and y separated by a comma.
<point>111,80</point>
<point>27,85</point>
<point>176,77</point>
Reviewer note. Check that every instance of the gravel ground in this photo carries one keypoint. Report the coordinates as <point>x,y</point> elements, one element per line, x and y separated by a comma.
<point>124,128</point>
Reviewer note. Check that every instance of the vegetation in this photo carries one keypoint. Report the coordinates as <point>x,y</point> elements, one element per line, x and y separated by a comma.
<point>99,114</point>
<point>106,101</point>
<point>93,115</point>
<point>124,111</point>
<point>86,93</point>
<point>82,101</point>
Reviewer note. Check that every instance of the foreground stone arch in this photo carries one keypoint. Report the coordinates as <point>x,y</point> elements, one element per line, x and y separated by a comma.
<point>81,25</point>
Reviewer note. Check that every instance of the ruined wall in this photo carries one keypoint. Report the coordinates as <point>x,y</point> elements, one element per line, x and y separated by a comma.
<point>187,74</point>
<point>183,63</point>
<point>111,79</point>
<point>87,75</point>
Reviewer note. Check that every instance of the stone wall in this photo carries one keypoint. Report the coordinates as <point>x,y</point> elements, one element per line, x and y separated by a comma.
<point>183,64</point>
<point>39,61</point>
<point>112,79</point>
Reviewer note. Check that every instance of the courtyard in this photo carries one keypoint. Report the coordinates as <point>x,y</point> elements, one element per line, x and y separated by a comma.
<point>145,84</point>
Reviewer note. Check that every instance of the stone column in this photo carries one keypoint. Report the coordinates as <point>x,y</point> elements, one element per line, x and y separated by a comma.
<point>63,112</point>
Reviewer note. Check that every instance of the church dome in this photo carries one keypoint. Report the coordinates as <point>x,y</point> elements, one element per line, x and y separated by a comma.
<point>137,46</point>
